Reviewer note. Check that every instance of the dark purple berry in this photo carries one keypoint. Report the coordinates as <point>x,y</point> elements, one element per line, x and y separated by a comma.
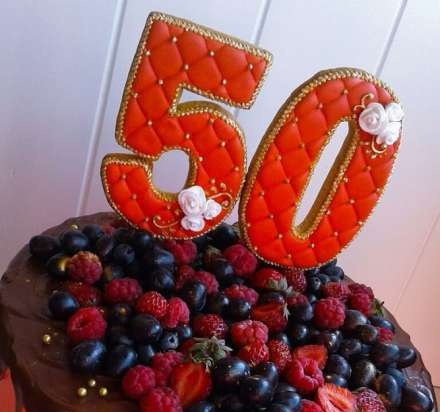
<point>43,247</point>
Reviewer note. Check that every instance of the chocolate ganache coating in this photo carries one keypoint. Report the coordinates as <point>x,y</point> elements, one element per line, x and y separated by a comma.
<point>42,377</point>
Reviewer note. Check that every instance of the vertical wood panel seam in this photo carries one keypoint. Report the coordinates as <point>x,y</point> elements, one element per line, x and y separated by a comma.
<point>101,106</point>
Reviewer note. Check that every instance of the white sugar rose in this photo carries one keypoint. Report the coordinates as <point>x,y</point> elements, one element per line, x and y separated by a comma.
<point>193,223</point>
<point>213,209</point>
<point>373,119</point>
<point>394,112</point>
<point>390,134</point>
<point>192,201</point>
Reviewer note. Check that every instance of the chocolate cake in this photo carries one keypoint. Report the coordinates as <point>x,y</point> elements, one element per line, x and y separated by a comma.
<point>41,374</point>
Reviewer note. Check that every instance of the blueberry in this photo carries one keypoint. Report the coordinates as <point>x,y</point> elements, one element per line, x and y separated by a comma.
<point>271,297</point>
<point>335,379</point>
<point>228,373</point>
<point>119,314</point>
<point>301,312</point>
<point>118,335</point>
<point>353,318</point>
<point>389,390</point>
<point>415,400</point>
<point>366,333</point>
<point>141,241</point>
<point>223,236</point>
<point>350,348</point>
<point>202,406</point>
<point>184,332</point>
<point>74,241</point>
<point>194,294</point>
<point>382,322</point>
<point>110,272</point>
<point>363,374</point>
<point>311,272</point>
<point>384,354</point>
<point>93,232</point>
<point>256,390</point>
<point>119,359</point>
<point>43,247</point>
<point>123,254</point>
<point>328,265</point>
<point>145,329</point>
<point>314,285</point>
<point>269,371</point>
<point>278,407</point>
<point>161,280</point>
<point>281,336</point>
<point>334,272</point>
<point>287,398</point>
<point>397,374</point>
<point>62,305</point>
<point>57,266</point>
<point>336,364</point>
<point>284,387</point>
<point>330,339</point>
<point>104,248</point>
<point>324,278</point>
<point>202,242</point>
<point>217,303</point>
<point>223,271</point>
<point>312,298</point>
<point>158,257</point>
<point>88,356</point>
<point>145,354</point>
<point>135,270</point>
<point>238,309</point>
<point>298,334</point>
<point>230,402</point>
<point>123,235</point>
<point>168,341</point>
<point>407,356</point>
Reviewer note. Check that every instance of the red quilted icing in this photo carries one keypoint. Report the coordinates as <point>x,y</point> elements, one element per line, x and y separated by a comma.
<point>273,188</point>
<point>7,393</point>
<point>175,54</point>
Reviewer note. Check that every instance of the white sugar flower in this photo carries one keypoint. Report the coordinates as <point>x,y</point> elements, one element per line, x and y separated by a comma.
<point>373,119</point>
<point>193,223</point>
<point>213,209</point>
<point>394,112</point>
<point>390,134</point>
<point>192,201</point>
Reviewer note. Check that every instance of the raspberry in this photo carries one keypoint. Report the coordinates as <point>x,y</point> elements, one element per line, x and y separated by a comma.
<point>184,251</point>
<point>163,364</point>
<point>241,292</point>
<point>369,401</point>
<point>207,326</point>
<point>279,354</point>
<point>125,290</point>
<point>254,353</point>
<point>274,315</point>
<point>304,374</point>
<point>266,278</point>
<point>108,229</point>
<point>309,406</point>
<point>177,313</point>
<point>86,323</point>
<point>85,294</point>
<point>361,302</point>
<point>329,313</point>
<point>385,335</point>
<point>84,267</point>
<point>241,259</point>
<point>247,331</point>
<point>337,290</point>
<point>160,400</point>
<point>296,299</point>
<point>296,279</point>
<point>361,288</point>
<point>152,303</point>
<point>208,279</point>
<point>138,381</point>
<point>184,273</point>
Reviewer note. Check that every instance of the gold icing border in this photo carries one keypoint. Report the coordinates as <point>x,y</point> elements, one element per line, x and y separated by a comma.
<point>317,210</point>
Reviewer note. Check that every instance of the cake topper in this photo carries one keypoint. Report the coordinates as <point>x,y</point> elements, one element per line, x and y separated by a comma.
<point>175,54</point>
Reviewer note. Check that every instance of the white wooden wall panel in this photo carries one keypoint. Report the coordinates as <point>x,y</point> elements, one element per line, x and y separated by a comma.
<point>64,65</point>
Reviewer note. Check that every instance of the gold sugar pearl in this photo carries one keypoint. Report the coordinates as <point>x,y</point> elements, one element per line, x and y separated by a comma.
<point>103,391</point>
<point>81,392</point>
<point>91,383</point>
<point>211,53</point>
<point>250,66</point>
<point>74,227</point>
<point>160,82</point>
<point>148,53</point>
<point>174,39</point>
<point>46,339</point>
<point>185,66</point>
<point>224,81</point>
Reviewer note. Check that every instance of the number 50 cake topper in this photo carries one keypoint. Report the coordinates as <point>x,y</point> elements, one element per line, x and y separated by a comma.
<point>175,54</point>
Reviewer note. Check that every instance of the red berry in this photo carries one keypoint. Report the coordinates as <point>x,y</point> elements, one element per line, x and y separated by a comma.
<point>337,290</point>
<point>296,280</point>
<point>84,267</point>
<point>309,406</point>
<point>241,259</point>
<point>369,401</point>
<point>207,326</point>
<point>138,381</point>
<point>86,323</point>
<point>125,290</point>
<point>160,400</point>
<point>266,278</point>
<point>163,364</point>
<point>254,353</point>
<point>296,299</point>
<point>248,331</point>
<point>184,251</point>
<point>208,279</point>
<point>183,274</point>
<point>152,303</point>
<point>85,294</point>
<point>329,313</point>
<point>361,288</point>
<point>334,398</point>
<point>177,313</point>
<point>361,302</point>
<point>273,314</point>
<point>241,292</point>
<point>279,354</point>
<point>385,335</point>
<point>317,352</point>
<point>304,374</point>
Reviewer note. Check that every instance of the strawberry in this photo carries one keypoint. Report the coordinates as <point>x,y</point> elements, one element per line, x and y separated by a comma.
<point>273,314</point>
<point>254,353</point>
<point>206,326</point>
<point>267,278</point>
<point>191,381</point>
<point>369,401</point>
<point>279,354</point>
<point>316,352</point>
<point>334,398</point>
